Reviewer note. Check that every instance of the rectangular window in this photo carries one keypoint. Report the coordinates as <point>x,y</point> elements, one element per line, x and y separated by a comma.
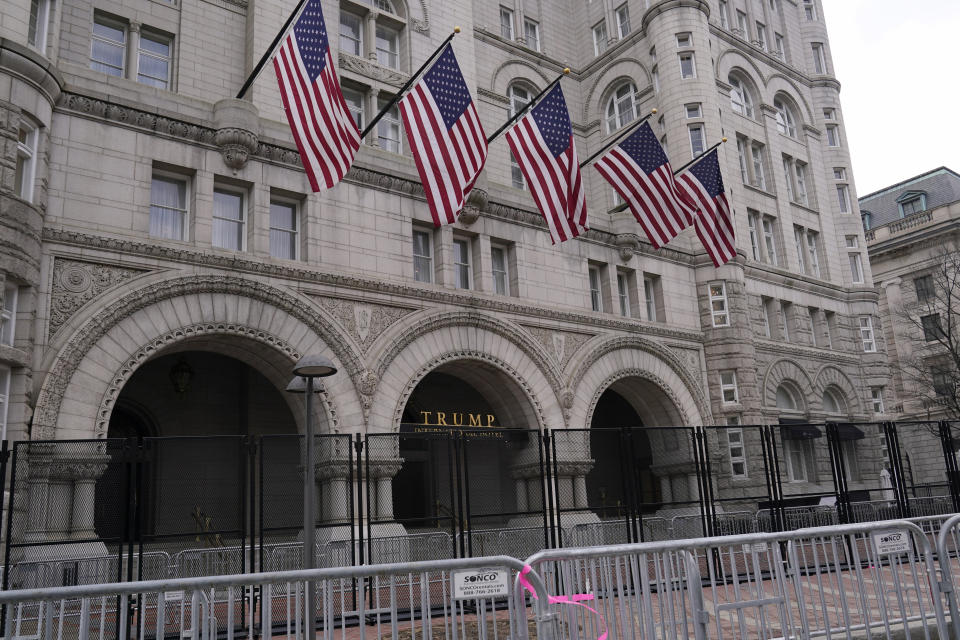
<point>932,331</point>
<point>687,67</point>
<point>461,263</point>
<point>924,287</point>
<point>798,238</point>
<point>770,240</point>
<point>742,155</point>
<point>813,326</point>
<point>168,207</point>
<point>809,10</point>
<point>8,314</point>
<point>25,171</point>
<point>866,334</point>
<point>724,14</point>
<point>839,173</point>
<point>153,62</point>
<point>786,310</point>
<point>765,308</point>
<point>531,33</point>
<point>596,299</point>
<point>650,286</point>
<point>623,294</point>
<point>728,387</point>
<point>284,224</point>
<point>37,29</point>
<point>693,110</point>
<point>762,36</point>
<point>499,267</point>
<point>684,40</point>
<point>778,44</point>
<point>788,174</point>
<point>228,219</point>
<point>4,398</point>
<point>813,254</point>
<point>843,198</point>
<point>697,142</point>
<point>517,178</point>
<point>852,242</point>
<point>819,61</point>
<point>422,257</point>
<point>388,129</point>
<point>830,113</point>
<point>753,221</point>
<point>718,304</point>
<point>876,396</point>
<point>388,46</point>
<point>742,24</point>
<point>354,100</point>
<point>829,326</point>
<point>623,21</point>
<point>506,23</point>
<point>833,135</point>
<point>738,459</point>
<point>801,172</point>
<point>942,383</point>
<point>759,179</point>
<point>351,33</point>
<point>851,463</point>
<point>599,38</point>
<point>795,454</point>
<point>108,46</point>
<point>856,268</point>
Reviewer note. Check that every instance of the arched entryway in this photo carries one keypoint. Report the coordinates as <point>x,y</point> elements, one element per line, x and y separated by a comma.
<point>469,459</point>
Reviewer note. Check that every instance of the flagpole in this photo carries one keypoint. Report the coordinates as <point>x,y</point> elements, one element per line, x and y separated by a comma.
<point>409,83</point>
<point>283,31</point>
<point>618,138</point>
<point>625,206</point>
<point>699,157</point>
<point>527,107</point>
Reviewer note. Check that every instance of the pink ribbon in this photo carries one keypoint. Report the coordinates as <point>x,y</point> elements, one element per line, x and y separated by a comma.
<point>576,599</point>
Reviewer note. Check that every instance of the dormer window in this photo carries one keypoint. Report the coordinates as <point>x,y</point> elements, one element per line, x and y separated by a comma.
<point>912,202</point>
<point>865,217</point>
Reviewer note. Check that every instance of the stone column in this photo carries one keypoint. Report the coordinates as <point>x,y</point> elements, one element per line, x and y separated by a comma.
<point>133,51</point>
<point>59,507</point>
<point>520,485</point>
<point>370,35</point>
<point>580,491</point>
<point>85,476</point>
<point>385,498</point>
<point>37,488</point>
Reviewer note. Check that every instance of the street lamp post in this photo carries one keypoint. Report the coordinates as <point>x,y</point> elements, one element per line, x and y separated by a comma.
<point>306,369</point>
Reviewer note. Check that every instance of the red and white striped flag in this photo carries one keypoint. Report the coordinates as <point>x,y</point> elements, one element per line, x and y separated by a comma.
<point>639,171</point>
<point>445,135</point>
<point>702,184</point>
<point>542,143</point>
<point>323,129</point>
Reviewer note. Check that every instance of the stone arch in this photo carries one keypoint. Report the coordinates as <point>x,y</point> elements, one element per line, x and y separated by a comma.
<point>442,337</point>
<point>779,83</point>
<point>634,357</point>
<point>513,70</point>
<point>270,355</point>
<point>731,61</point>
<point>620,69</point>
<point>116,328</point>
<point>786,370</point>
<point>832,377</point>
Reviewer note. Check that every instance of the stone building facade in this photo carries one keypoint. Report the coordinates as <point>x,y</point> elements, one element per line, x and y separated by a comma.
<point>156,229</point>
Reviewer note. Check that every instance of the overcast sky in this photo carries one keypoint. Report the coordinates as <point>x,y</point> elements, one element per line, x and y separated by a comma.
<point>899,66</point>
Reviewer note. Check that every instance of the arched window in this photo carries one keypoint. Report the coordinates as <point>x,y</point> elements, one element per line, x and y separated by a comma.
<point>740,98</point>
<point>785,399</point>
<point>390,22</point>
<point>833,403</point>
<point>622,107</point>
<point>786,122</point>
<point>519,97</point>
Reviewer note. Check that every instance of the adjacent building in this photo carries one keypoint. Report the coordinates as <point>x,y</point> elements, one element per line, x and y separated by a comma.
<point>164,262</point>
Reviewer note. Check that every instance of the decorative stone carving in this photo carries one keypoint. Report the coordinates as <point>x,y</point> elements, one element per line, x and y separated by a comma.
<point>237,123</point>
<point>627,244</point>
<point>367,383</point>
<point>76,282</point>
<point>422,25</point>
<point>476,202</point>
<point>690,358</point>
<point>363,321</point>
<point>560,344</point>
<point>371,70</point>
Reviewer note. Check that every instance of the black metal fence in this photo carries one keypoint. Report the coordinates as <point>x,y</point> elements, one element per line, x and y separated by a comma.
<point>143,508</point>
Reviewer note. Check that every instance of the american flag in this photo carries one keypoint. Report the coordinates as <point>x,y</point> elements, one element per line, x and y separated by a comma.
<point>639,171</point>
<point>703,185</point>
<point>326,135</point>
<point>542,143</point>
<point>445,135</point>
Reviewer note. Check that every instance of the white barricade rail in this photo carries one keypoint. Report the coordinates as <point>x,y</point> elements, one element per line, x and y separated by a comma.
<point>948,560</point>
<point>858,580</point>
<point>462,598</point>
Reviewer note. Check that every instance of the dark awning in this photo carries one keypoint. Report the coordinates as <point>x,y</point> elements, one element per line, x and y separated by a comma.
<point>849,432</point>
<point>800,431</point>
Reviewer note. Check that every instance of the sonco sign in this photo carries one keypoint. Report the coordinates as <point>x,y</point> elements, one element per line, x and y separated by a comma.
<point>482,583</point>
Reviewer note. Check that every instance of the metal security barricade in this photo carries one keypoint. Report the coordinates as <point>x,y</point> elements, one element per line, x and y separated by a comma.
<point>391,603</point>
<point>874,579</point>
<point>948,560</point>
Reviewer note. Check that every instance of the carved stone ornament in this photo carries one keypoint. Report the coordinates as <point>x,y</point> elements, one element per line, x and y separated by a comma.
<point>560,344</point>
<point>76,282</point>
<point>476,203</point>
<point>236,123</point>
<point>364,322</point>
<point>367,383</point>
<point>236,146</point>
<point>690,358</point>
<point>371,70</point>
<point>626,244</point>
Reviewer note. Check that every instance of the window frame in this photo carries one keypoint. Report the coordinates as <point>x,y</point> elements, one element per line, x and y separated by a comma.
<point>527,23</point>
<point>753,220</point>
<point>856,267</point>
<point>37,25</point>
<point>743,106</point>
<point>358,40</point>
<point>924,288</point>
<point>813,252</point>
<point>759,174</point>
<point>392,56</point>
<point>733,445</point>
<point>833,135</point>
<point>171,177</point>
<point>6,373</point>
<point>786,310</point>
<point>156,37</point>
<point>8,313</point>
<point>650,298</point>
<point>867,336</point>
<point>388,123</point>
<point>504,273</point>
<point>723,314</point>
<point>622,15</point>
<point>693,110</point>
<point>819,58</point>
<point>876,398</point>
<point>361,105</point>
<point>692,65</point>
<point>786,122</point>
<point>244,195</point>
<point>728,383</point>
<point>843,198</point>
<point>110,23</point>
<point>693,130</point>
<point>768,224</point>
<point>426,265</point>
<point>25,170</point>
<point>799,241</point>
<point>600,43</point>
<point>462,270</point>
<point>932,330</point>
<point>596,288</point>
<point>294,233</point>
<point>615,115</point>
<point>507,28</point>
